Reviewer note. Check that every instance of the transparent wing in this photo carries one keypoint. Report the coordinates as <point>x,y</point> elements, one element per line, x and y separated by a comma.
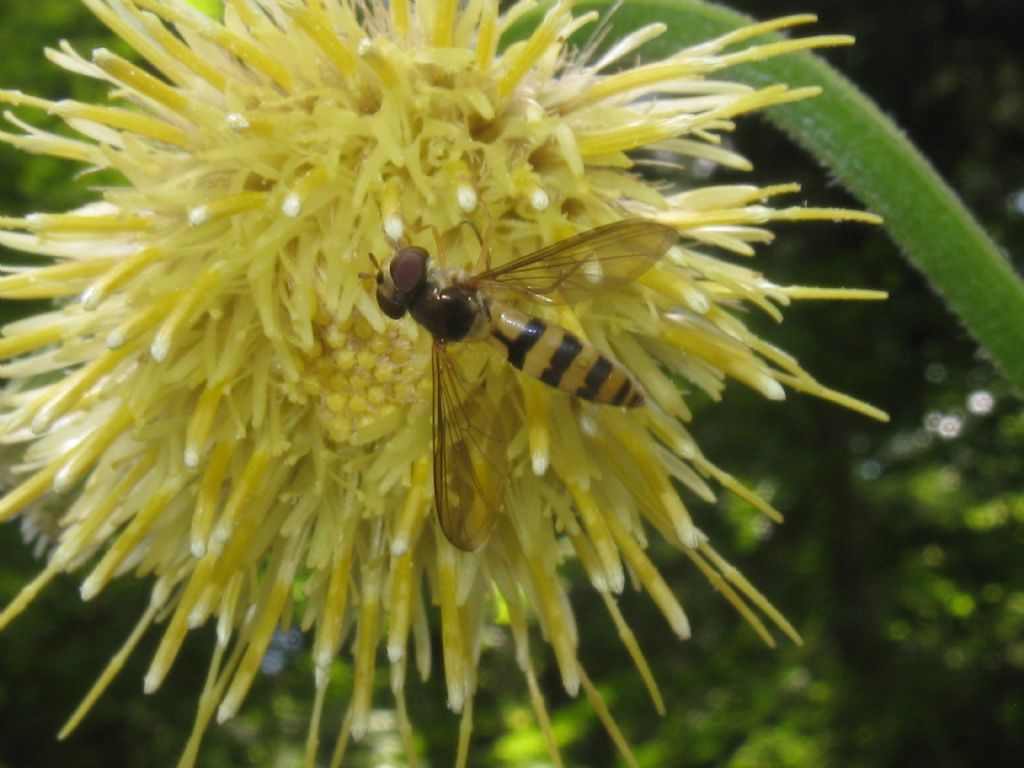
<point>469,464</point>
<point>597,260</point>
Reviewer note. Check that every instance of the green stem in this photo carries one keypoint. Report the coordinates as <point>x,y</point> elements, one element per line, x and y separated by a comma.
<point>846,132</point>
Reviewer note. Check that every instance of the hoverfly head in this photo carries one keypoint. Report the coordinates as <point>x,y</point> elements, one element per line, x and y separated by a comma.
<point>400,283</point>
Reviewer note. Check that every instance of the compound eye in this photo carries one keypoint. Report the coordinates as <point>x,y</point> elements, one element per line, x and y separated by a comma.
<point>409,269</point>
<point>390,307</point>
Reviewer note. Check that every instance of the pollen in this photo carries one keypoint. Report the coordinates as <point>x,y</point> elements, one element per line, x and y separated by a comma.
<point>356,376</point>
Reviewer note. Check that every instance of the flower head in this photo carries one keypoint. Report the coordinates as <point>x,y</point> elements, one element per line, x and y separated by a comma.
<point>216,402</point>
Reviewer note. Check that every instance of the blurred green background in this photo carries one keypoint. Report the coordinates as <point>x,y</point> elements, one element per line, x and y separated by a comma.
<point>901,560</point>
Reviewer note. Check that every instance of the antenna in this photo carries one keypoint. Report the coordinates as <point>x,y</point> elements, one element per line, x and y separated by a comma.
<point>376,266</point>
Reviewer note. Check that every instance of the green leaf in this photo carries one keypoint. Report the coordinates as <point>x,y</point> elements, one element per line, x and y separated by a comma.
<point>848,134</point>
<point>212,8</point>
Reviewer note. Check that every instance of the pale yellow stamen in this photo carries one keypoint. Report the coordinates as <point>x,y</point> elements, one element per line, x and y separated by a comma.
<point>410,518</point>
<point>83,525</point>
<point>754,30</point>
<point>366,647</point>
<point>465,731</point>
<point>143,321</point>
<point>400,603</point>
<point>657,483</point>
<point>596,527</point>
<point>29,592</point>
<point>120,273</point>
<point>183,54</point>
<point>312,21</point>
<point>46,282</point>
<point>114,117</point>
<point>733,575</point>
<point>250,54</point>
<point>276,589</point>
<point>42,143</point>
<point>543,719</point>
<point>486,40</point>
<point>30,490</point>
<point>735,600</point>
<point>812,387</point>
<point>400,17</point>
<point>53,223</point>
<point>30,340</point>
<point>19,99</point>
<point>516,11</point>
<point>177,627</point>
<point>806,293</point>
<point>620,138</point>
<point>313,731</point>
<point>128,540</point>
<point>521,57</point>
<point>208,498</point>
<point>198,430</point>
<point>640,77</point>
<point>451,631</point>
<point>328,633</point>
<point>308,183</point>
<point>114,666</point>
<point>652,580</point>
<point>535,404</point>
<point>730,483</point>
<point>341,742</point>
<point>772,50</point>
<point>90,449</point>
<point>390,210</point>
<point>216,681</point>
<point>551,609</point>
<point>720,352</point>
<point>705,151</point>
<point>238,502</point>
<point>124,120</point>
<point>763,214</point>
<point>723,196</point>
<point>130,75</point>
<point>594,697</point>
<point>67,393</point>
<point>444,22</point>
<point>584,550</point>
<point>249,18</point>
<point>405,728</point>
<point>147,48</point>
<point>188,304</point>
<point>230,205</point>
<point>629,43</point>
<point>628,639</point>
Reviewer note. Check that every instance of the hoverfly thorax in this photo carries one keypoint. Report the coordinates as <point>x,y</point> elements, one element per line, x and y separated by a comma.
<point>400,284</point>
<point>437,299</point>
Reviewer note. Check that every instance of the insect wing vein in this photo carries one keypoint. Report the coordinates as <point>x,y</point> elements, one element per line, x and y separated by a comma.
<point>469,473</point>
<point>597,260</point>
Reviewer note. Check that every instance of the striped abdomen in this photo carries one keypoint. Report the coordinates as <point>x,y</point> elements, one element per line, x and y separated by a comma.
<point>561,359</point>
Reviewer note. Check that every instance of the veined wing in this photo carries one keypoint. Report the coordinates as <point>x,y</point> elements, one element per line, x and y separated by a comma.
<point>469,456</point>
<point>597,260</point>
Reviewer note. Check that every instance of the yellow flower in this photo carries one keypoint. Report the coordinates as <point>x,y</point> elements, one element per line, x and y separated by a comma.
<point>216,403</point>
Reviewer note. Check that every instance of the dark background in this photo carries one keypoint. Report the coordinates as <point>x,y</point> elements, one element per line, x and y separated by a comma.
<point>900,562</point>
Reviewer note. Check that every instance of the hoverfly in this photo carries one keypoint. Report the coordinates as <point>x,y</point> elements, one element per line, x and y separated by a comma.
<point>457,307</point>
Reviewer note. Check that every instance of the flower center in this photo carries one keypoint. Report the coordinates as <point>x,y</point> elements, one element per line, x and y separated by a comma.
<point>360,377</point>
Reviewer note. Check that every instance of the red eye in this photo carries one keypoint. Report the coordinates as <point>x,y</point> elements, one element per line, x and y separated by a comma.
<point>409,269</point>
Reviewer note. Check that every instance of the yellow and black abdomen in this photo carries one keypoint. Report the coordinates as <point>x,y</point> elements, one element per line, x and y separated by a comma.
<point>561,359</point>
